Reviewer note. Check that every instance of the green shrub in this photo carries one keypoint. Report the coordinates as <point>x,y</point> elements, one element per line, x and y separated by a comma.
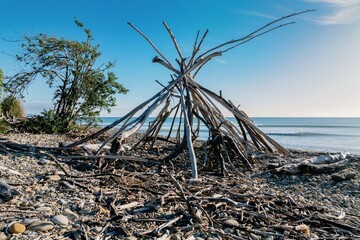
<point>47,122</point>
<point>12,108</point>
<point>4,126</point>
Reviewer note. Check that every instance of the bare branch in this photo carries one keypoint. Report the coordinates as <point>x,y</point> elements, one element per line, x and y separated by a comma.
<point>252,33</point>
<point>197,48</point>
<point>258,35</point>
<point>174,40</point>
<point>149,41</point>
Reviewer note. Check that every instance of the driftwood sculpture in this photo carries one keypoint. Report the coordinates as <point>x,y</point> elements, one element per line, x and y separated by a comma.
<point>185,99</point>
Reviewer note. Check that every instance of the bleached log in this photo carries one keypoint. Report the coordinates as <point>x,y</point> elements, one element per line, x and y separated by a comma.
<point>125,158</point>
<point>115,123</point>
<point>173,121</point>
<point>201,61</point>
<point>225,104</point>
<point>158,128</point>
<point>188,137</point>
<point>138,122</point>
<point>158,60</point>
<point>328,158</point>
<point>131,113</point>
<point>93,146</point>
<point>174,40</point>
<point>143,117</point>
<point>10,171</point>
<point>128,206</point>
<point>318,164</point>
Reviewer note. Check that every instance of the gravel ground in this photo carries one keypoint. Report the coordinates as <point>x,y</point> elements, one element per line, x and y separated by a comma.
<point>60,198</point>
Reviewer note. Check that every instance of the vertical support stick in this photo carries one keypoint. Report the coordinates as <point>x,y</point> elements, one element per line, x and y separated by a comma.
<point>188,137</point>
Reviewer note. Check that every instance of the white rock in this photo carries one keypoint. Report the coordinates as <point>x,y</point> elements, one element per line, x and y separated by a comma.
<point>90,196</point>
<point>62,202</point>
<point>3,236</point>
<point>40,226</point>
<point>231,223</point>
<point>44,209</point>
<point>43,161</point>
<point>60,220</point>
<point>61,173</point>
<point>97,229</point>
<point>229,230</point>
<point>54,177</point>
<point>29,221</point>
<point>70,215</point>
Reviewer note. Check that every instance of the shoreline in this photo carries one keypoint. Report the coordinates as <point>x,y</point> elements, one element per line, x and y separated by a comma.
<point>310,134</point>
<point>114,198</point>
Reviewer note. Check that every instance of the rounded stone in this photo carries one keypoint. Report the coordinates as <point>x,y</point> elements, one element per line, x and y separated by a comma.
<point>131,238</point>
<point>231,223</point>
<point>29,221</point>
<point>229,230</point>
<point>17,228</point>
<point>97,229</point>
<point>70,215</point>
<point>43,161</point>
<point>55,177</point>
<point>40,226</point>
<point>60,220</point>
<point>176,236</point>
<point>61,202</point>
<point>2,236</point>
<point>44,209</point>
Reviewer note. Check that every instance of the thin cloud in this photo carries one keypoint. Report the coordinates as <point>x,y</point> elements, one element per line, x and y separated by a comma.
<point>344,3</point>
<point>342,11</point>
<point>252,13</point>
<point>344,16</point>
<point>220,61</point>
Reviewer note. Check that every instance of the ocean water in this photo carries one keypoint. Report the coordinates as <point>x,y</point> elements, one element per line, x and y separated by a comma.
<point>316,134</point>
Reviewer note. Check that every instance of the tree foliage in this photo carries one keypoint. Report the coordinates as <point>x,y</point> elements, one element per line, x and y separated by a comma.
<point>82,87</point>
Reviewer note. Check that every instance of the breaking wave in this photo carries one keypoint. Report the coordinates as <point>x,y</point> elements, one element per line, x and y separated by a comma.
<point>305,126</point>
<point>307,134</point>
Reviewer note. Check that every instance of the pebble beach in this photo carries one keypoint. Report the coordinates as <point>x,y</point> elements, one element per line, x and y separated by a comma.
<point>61,199</point>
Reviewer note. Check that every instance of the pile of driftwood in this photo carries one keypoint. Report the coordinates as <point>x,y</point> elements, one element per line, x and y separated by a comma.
<point>185,99</point>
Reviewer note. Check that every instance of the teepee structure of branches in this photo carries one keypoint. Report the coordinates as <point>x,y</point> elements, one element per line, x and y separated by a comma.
<point>189,104</point>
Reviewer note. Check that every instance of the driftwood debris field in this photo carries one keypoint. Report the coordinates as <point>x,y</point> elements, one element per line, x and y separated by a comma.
<point>133,197</point>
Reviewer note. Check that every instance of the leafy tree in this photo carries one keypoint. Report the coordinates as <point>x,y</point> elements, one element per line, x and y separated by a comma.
<point>82,86</point>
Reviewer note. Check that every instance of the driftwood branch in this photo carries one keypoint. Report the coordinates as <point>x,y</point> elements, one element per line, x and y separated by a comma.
<point>250,35</point>
<point>149,41</point>
<point>176,45</point>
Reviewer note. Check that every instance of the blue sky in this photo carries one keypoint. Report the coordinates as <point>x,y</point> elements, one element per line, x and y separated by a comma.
<point>310,68</point>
